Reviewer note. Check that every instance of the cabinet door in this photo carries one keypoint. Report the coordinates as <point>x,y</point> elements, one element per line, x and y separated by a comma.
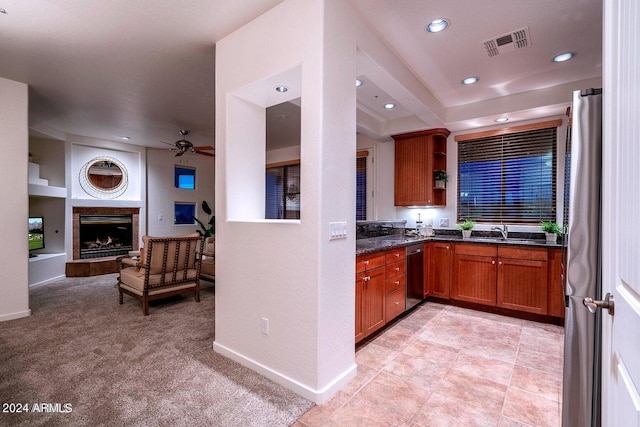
<point>474,279</point>
<point>440,264</point>
<point>359,306</point>
<point>522,285</point>
<point>417,156</point>
<point>413,182</point>
<point>374,299</point>
<point>555,299</point>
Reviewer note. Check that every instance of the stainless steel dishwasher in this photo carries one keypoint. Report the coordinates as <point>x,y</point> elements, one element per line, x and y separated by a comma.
<point>415,275</point>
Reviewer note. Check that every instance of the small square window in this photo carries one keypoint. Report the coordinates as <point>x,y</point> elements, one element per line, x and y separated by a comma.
<point>184,213</point>
<point>185,178</point>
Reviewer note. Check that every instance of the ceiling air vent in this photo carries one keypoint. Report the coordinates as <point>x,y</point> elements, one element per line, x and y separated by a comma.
<point>509,42</point>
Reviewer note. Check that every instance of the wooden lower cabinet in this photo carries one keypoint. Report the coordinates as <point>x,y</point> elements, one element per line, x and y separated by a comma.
<point>394,304</point>
<point>475,273</point>
<point>555,297</point>
<point>380,290</point>
<point>439,262</point>
<point>370,293</point>
<point>522,279</point>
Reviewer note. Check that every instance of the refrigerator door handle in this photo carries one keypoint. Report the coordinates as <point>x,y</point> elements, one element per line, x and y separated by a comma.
<point>593,306</point>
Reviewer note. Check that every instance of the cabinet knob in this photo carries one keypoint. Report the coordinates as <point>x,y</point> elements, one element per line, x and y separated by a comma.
<point>397,268</point>
<point>447,246</point>
<point>493,262</point>
<point>397,303</point>
<point>500,263</point>
<point>397,255</point>
<point>397,283</point>
<point>366,262</point>
<point>366,278</point>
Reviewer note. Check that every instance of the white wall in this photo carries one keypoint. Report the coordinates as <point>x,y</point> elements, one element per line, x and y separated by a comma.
<point>383,166</point>
<point>50,155</point>
<point>80,150</point>
<point>283,154</point>
<point>288,271</point>
<point>161,191</point>
<point>14,210</point>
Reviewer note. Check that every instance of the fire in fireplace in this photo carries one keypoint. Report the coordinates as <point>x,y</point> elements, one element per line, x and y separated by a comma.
<point>105,235</point>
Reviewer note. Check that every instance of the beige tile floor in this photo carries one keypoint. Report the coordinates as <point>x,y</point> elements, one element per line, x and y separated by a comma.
<point>448,366</point>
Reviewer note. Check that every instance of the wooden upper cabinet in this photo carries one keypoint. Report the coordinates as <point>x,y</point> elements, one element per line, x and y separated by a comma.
<point>417,156</point>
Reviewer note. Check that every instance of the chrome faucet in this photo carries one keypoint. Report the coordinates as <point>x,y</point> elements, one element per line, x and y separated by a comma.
<point>504,231</point>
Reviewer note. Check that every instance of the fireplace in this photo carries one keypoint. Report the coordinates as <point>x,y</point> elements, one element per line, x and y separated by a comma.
<point>102,232</point>
<point>105,235</point>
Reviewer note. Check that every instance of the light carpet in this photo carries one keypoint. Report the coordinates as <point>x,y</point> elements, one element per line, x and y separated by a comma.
<point>110,365</point>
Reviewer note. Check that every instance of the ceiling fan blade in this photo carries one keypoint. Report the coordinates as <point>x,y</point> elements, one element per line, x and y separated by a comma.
<point>179,153</point>
<point>204,153</point>
<point>204,147</point>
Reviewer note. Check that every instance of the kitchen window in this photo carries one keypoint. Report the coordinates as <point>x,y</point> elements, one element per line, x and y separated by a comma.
<point>361,186</point>
<point>508,176</point>
<point>282,196</point>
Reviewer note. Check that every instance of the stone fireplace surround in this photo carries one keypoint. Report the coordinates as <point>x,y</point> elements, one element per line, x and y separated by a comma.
<point>96,266</point>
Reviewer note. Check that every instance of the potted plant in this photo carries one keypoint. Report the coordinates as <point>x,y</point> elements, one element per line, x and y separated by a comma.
<point>440,179</point>
<point>466,228</point>
<point>209,229</point>
<point>551,230</point>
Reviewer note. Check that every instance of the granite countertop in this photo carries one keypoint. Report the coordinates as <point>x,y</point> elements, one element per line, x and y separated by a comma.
<point>377,244</point>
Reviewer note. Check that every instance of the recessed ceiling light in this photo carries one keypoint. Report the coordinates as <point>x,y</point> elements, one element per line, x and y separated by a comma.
<point>359,82</point>
<point>470,80</point>
<point>282,89</point>
<point>563,57</point>
<point>126,138</point>
<point>390,106</point>
<point>437,25</point>
<point>502,119</point>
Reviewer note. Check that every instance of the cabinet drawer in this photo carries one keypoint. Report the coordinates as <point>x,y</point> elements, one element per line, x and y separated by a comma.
<point>395,269</point>
<point>518,252</point>
<point>394,304</point>
<point>395,255</point>
<point>367,262</point>
<point>475,249</point>
<point>393,283</point>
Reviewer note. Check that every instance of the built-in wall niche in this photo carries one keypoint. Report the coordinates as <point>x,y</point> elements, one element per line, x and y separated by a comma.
<point>282,187</point>
<point>249,111</point>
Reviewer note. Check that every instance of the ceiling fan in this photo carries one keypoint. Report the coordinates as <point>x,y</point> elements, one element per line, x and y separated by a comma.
<point>183,146</point>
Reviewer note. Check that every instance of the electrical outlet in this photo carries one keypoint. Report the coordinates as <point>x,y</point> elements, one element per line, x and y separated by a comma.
<point>444,222</point>
<point>264,326</point>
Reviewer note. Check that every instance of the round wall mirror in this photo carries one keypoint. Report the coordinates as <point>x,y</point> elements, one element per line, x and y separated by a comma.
<point>104,177</point>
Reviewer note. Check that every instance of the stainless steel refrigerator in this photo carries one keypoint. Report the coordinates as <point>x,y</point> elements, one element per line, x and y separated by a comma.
<point>581,387</point>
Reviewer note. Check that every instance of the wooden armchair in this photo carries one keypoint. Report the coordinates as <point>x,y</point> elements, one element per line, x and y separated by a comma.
<point>208,270</point>
<point>167,266</point>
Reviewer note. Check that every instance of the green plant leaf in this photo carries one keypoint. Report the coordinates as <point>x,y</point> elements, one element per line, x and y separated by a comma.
<point>206,208</point>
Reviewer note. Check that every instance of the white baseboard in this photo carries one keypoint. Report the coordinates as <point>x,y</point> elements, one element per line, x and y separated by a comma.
<point>46,282</point>
<point>317,396</point>
<point>16,315</point>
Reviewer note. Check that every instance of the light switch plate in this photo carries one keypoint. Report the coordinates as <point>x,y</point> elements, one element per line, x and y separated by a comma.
<point>338,230</point>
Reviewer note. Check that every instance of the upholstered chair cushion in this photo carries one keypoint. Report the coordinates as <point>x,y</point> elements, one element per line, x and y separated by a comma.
<point>157,255</point>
